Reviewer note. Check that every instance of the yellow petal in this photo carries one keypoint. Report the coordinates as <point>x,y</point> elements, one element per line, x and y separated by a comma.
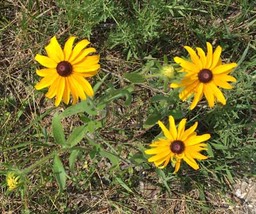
<point>194,57</point>
<point>202,56</point>
<point>78,48</point>
<point>228,78</point>
<point>45,61</point>
<point>87,88</point>
<point>76,88</point>
<point>181,128</point>
<point>197,147</point>
<point>85,68</point>
<point>66,94</point>
<point>159,162</point>
<point>199,156</point>
<point>196,139</point>
<point>46,81</point>
<point>84,54</point>
<point>89,60</point>
<point>54,50</point>
<point>209,95</point>
<point>177,166</point>
<point>88,74</point>
<point>189,131</point>
<point>73,91</point>
<point>45,72</point>
<point>52,89</point>
<point>60,90</point>
<point>68,47</point>
<point>159,156</point>
<point>218,94</point>
<point>191,162</point>
<point>156,150</point>
<point>221,83</point>
<point>174,85</point>
<point>172,128</point>
<point>188,90</point>
<point>209,55</point>
<point>167,160</point>
<point>216,57</point>
<point>198,96</point>
<point>224,68</point>
<point>160,143</point>
<point>165,131</point>
<point>188,66</point>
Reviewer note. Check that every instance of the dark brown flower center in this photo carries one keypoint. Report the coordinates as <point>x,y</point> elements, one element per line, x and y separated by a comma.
<point>205,75</point>
<point>177,147</point>
<point>64,69</point>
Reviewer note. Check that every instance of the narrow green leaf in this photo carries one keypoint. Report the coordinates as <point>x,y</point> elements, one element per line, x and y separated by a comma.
<point>134,77</point>
<point>164,179</point>
<point>76,136</point>
<point>59,172</point>
<point>83,106</point>
<point>159,97</point>
<point>92,126</point>
<point>99,83</point>
<point>209,150</point>
<point>113,159</point>
<point>124,185</point>
<point>138,158</point>
<point>229,176</point>
<point>121,93</point>
<point>219,146</point>
<point>152,119</point>
<point>57,129</point>
<point>72,158</point>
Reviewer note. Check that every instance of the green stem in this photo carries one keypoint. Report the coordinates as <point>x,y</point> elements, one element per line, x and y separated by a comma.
<point>39,162</point>
<point>151,76</point>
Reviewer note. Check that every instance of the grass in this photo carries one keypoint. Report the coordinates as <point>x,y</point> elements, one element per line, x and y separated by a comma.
<point>107,171</point>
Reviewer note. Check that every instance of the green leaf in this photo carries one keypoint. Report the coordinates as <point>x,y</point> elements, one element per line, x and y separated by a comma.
<point>159,97</point>
<point>152,119</point>
<point>124,185</point>
<point>72,158</point>
<point>113,158</point>
<point>76,136</point>
<point>99,83</point>
<point>94,151</point>
<point>83,106</point>
<point>59,172</point>
<point>57,129</point>
<point>209,150</point>
<point>164,179</point>
<point>134,77</point>
<point>138,158</point>
<point>219,146</point>
<point>93,125</point>
<point>115,94</point>
<point>176,113</point>
<point>229,176</point>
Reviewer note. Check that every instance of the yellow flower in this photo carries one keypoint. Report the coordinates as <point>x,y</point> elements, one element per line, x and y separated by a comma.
<point>66,70</point>
<point>178,144</point>
<point>204,75</point>
<point>12,181</point>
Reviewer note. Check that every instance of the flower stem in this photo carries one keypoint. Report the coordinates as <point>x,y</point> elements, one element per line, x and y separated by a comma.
<point>39,162</point>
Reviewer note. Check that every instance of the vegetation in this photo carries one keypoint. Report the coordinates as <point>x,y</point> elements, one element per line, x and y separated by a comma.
<point>89,157</point>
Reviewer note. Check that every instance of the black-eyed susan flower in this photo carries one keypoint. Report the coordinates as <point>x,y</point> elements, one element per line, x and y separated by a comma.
<point>205,74</point>
<point>12,180</point>
<point>178,144</point>
<point>66,70</point>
